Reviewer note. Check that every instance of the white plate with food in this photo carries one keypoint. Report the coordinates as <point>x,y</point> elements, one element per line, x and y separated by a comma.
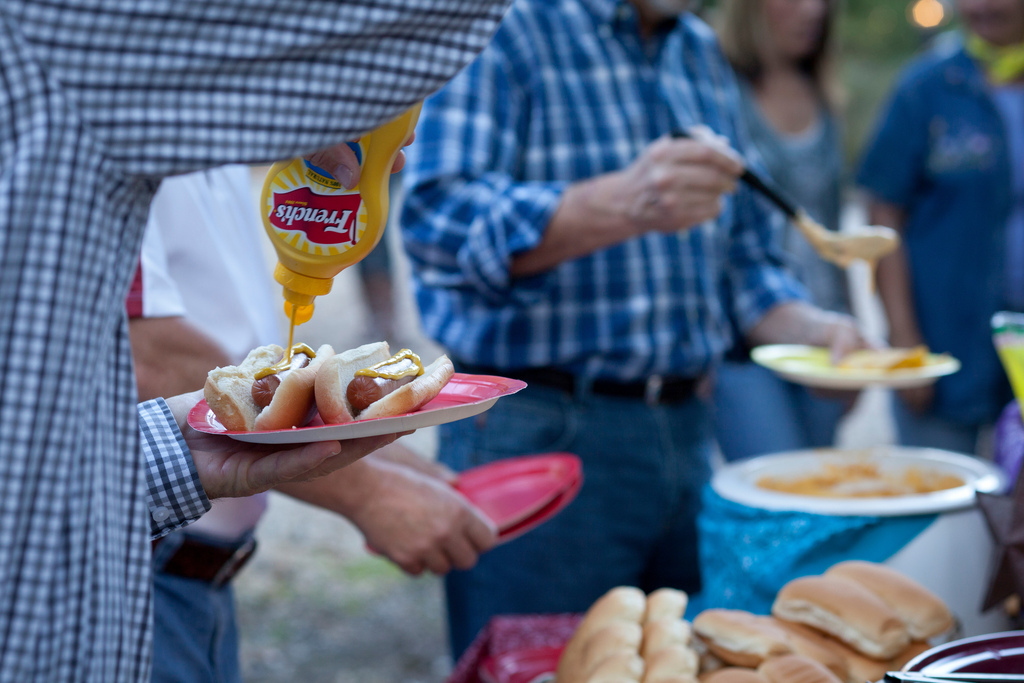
<point>892,368</point>
<point>464,396</point>
<point>882,481</point>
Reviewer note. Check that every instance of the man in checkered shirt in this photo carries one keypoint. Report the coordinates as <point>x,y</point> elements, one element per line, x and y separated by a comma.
<point>100,99</point>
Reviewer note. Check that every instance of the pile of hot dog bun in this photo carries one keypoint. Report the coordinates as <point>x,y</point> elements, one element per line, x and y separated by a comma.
<point>629,637</point>
<point>855,622</point>
<point>269,391</point>
<point>851,625</point>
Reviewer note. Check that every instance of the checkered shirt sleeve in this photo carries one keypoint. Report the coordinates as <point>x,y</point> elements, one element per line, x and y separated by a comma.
<point>100,99</point>
<point>175,495</point>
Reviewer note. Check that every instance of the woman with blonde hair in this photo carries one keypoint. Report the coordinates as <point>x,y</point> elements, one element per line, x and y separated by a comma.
<point>780,50</point>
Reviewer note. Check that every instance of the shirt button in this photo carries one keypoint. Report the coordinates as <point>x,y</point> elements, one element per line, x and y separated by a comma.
<point>161,513</point>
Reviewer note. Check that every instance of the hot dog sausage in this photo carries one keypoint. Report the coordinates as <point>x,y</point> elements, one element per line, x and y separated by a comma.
<point>263,388</point>
<point>363,391</point>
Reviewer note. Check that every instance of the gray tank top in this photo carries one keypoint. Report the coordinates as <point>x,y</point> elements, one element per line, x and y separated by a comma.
<point>808,168</point>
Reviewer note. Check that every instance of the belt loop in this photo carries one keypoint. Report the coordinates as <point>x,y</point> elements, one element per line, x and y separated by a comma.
<point>652,390</point>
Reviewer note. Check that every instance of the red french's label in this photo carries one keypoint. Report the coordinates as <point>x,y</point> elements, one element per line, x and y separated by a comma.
<point>325,219</point>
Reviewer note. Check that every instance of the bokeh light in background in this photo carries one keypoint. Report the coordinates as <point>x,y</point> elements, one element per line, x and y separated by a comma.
<point>927,14</point>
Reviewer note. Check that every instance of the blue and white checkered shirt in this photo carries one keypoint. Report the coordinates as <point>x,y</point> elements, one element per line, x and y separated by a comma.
<point>567,91</point>
<point>99,99</point>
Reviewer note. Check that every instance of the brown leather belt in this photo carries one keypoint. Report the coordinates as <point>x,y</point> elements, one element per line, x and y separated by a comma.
<point>654,390</point>
<point>213,562</point>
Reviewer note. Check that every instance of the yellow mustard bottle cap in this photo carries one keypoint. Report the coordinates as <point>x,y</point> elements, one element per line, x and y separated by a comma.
<point>302,313</point>
<point>299,292</point>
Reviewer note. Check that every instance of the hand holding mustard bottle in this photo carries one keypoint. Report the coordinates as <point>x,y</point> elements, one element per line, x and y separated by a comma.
<point>319,225</point>
<point>343,162</point>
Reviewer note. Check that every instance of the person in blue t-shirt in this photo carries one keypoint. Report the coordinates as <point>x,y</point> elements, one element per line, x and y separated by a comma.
<point>946,169</point>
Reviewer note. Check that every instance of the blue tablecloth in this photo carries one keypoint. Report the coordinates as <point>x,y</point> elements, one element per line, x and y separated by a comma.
<point>748,554</point>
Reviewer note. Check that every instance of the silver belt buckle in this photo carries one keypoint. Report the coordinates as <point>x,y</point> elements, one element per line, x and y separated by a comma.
<point>652,390</point>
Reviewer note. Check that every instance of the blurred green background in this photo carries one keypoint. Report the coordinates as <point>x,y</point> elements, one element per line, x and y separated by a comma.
<point>875,39</point>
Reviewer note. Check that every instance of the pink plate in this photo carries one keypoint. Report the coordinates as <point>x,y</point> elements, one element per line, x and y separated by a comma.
<point>513,490</point>
<point>544,514</point>
<point>535,665</point>
<point>995,653</point>
<point>520,494</point>
<point>463,396</point>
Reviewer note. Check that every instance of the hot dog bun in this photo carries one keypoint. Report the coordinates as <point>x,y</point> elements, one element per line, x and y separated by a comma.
<point>332,385</point>
<point>228,392</point>
<point>732,675</point>
<point>859,668</point>
<point>846,611</point>
<point>809,643</point>
<point>921,610</point>
<point>914,649</point>
<point>415,394</point>
<point>610,626</point>
<point>670,663</point>
<point>620,666</point>
<point>665,603</point>
<point>740,638</point>
<point>795,669</point>
<point>662,633</point>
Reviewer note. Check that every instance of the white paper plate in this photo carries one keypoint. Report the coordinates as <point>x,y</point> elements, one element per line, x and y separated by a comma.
<point>738,481</point>
<point>810,366</point>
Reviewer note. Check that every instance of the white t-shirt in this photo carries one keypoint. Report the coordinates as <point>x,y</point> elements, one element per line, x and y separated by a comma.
<point>202,259</point>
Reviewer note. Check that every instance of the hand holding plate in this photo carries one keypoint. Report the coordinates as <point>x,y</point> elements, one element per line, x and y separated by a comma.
<point>230,468</point>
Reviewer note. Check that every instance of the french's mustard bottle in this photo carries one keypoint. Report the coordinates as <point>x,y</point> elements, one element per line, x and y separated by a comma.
<point>319,228</point>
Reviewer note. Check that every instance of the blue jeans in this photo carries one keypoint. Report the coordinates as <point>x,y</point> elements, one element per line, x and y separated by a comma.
<point>633,523</point>
<point>195,639</point>
<point>756,412</point>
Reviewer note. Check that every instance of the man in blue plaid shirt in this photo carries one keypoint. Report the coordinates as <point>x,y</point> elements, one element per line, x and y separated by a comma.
<point>558,234</point>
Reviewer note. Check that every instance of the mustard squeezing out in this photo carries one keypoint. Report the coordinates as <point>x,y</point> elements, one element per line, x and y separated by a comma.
<point>286,362</point>
<point>415,368</point>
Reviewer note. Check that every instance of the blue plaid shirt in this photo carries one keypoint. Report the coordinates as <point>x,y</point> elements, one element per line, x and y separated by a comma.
<point>566,91</point>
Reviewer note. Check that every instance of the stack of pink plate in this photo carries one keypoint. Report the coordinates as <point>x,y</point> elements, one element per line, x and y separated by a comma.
<point>519,494</point>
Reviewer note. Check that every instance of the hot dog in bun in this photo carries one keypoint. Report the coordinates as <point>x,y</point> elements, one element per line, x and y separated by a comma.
<point>268,390</point>
<point>368,382</point>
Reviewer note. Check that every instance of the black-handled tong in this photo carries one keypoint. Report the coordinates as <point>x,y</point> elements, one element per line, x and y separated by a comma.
<point>755,181</point>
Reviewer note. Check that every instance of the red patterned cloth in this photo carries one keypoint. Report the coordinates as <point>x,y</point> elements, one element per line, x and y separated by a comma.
<point>505,634</point>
